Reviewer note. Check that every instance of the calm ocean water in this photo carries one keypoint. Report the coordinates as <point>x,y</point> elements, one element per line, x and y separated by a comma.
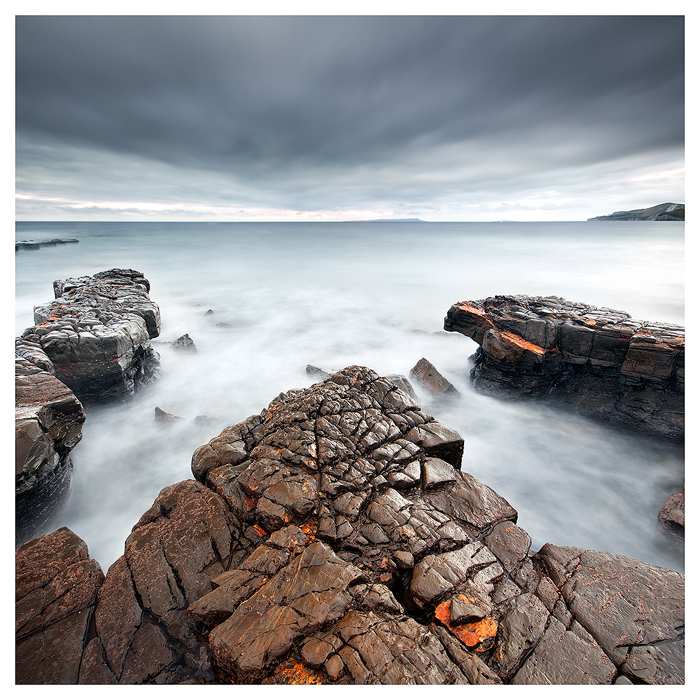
<point>288,295</point>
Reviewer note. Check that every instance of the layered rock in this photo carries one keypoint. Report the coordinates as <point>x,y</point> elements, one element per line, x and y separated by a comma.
<point>97,334</point>
<point>333,539</point>
<point>56,586</point>
<point>48,424</point>
<point>426,374</point>
<point>597,360</point>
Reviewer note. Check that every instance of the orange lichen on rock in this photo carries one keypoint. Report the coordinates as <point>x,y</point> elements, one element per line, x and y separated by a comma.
<point>522,343</point>
<point>310,529</point>
<point>590,321</point>
<point>473,634</point>
<point>474,310</point>
<point>294,673</point>
<point>259,530</point>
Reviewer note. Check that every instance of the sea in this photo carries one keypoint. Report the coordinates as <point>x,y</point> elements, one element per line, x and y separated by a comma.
<point>261,301</point>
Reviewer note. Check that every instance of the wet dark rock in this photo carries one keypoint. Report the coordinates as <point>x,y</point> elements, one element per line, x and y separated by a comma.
<point>184,344</point>
<point>48,424</point>
<point>294,560</point>
<point>672,515</point>
<point>646,607</point>
<point>97,334</point>
<point>33,245</point>
<point>56,585</point>
<point>425,374</point>
<point>598,361</point>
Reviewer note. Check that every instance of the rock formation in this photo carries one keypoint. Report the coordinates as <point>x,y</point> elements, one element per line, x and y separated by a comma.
<point>672,514</point>
<point>426,374</point>
<point>597,360</point>
<point>33,245</point>
<point>660,212</point>
<point>48,422</point>
<point>97,334</point>
<point>333,539</point>
<point>184,344</point>
<point>93,341</point>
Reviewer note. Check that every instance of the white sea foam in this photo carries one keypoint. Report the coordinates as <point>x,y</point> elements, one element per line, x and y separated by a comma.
<point>286,295</point>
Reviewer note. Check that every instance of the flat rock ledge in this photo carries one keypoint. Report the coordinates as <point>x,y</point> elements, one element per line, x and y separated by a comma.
<point>333,539</point>
<point>599,361</point>
<point>97,334</point>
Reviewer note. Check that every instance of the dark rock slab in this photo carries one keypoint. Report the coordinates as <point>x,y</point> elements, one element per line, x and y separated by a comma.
<point>97,334</point>
<point>56,590</point>
<point>48,424</point>
<point>599,361</point>
<point>34,245</point>
<point>426,374</point>
<point>624,604</point>
<point>672,515</point>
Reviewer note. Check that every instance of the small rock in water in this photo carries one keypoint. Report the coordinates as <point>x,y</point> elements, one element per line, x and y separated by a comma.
<point>672,515</point>
<point>209,312</point>
<point>184,343</point>
<point>431,380</point>
<point>163,416</point>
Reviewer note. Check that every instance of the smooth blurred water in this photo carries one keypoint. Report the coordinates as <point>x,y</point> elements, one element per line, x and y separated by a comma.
<point>288,295</point>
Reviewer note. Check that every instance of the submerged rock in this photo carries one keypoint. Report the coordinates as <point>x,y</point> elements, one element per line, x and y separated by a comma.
<point>332,538</point>
<point>599,361</point>
<point>97,334</point>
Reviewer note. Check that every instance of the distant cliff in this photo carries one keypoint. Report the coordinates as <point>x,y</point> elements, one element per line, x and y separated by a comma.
<point>661,212</point>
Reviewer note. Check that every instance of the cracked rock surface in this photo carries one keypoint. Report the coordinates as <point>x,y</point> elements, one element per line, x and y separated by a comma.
<point>599,361</point>
<point>333,539</point>
<point>97,334</point>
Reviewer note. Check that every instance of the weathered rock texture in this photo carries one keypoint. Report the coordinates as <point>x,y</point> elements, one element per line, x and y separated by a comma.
<point>597,360</point>
<point>426,374</point>
<point>48,424</point>
<point>672,515</point>
<point>97,334</point>
<point>333,539</point>
<point>55,592</point>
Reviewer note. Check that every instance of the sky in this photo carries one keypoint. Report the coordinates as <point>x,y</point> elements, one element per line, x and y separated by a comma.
<point>334,118</point>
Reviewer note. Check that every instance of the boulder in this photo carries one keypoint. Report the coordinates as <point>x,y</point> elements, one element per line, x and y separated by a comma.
<point>672,515</point>
<point>425,374</point>
<point>48,424</point>
<point>299,556</point>
<point>184,344</point>
<point>56,586</point>
<point>97,334</point>
<point>598,361</point>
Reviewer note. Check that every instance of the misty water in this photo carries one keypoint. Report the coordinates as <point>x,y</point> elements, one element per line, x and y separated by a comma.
<point>287,295</point>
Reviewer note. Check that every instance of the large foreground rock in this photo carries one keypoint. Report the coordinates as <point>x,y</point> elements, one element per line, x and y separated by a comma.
<point>597,360</point>
<point>332,538</point>
<point>97,334</point>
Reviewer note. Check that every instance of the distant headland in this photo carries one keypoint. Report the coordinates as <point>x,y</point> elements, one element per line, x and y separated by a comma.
<point>392,221</point>
<point>661,212</point>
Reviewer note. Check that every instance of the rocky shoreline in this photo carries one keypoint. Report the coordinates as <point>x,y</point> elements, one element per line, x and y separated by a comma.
<point>90,345</point>
<point>597,361</point>
<point>331,538</point>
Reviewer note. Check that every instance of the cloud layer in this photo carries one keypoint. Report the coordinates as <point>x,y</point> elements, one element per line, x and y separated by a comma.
<point>452,118</point>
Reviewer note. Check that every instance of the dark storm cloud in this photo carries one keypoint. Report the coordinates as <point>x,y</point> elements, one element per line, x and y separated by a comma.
<point>387,104</point>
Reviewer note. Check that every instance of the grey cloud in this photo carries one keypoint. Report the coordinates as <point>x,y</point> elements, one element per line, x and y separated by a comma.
<point>285,104</point>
